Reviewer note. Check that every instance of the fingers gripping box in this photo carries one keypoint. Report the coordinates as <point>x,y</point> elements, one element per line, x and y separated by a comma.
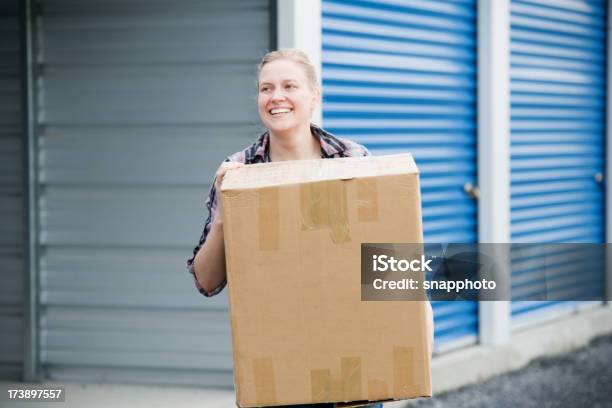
<point>300,332</point>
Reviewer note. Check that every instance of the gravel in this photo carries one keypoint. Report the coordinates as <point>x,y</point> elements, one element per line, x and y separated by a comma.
<point>581,378</point>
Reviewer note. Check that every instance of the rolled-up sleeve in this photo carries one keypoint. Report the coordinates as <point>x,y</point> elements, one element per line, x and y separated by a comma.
<point>211,206</point>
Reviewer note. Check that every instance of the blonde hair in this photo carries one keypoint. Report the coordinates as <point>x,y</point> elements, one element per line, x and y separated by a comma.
<point>294,55</point>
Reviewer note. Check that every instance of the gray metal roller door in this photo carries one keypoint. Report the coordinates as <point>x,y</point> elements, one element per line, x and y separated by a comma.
<point>11,195</point>
<point>139,103</point>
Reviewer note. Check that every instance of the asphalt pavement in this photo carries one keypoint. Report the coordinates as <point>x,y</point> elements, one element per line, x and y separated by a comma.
<point>581,378</point>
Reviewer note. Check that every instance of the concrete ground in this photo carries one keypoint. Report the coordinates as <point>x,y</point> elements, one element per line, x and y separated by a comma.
<point>582,378</point>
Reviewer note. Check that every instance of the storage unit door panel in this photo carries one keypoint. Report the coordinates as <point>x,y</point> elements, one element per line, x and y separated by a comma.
<point>138,107</point>
<point>12,240</point>
<point>402,78</point>
<point>558,108</point>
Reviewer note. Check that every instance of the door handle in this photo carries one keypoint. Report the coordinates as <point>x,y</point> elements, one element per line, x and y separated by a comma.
<point>472,190</point>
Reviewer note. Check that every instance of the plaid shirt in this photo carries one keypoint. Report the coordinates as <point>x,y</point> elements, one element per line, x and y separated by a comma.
<point>259,152</point>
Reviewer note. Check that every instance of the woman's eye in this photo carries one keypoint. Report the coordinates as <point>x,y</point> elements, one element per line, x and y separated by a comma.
<point>291,86</point>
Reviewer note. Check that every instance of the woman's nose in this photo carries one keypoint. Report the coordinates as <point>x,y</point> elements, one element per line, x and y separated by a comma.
<point>278,94</point>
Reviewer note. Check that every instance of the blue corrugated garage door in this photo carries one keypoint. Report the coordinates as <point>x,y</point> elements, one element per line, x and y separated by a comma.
<point>403,78</point>
<point>558,102</point>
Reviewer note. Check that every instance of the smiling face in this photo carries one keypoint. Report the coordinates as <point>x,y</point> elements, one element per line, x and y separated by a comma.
<point>285,98</point>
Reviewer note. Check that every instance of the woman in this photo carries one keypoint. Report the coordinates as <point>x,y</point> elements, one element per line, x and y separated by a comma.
<point>288,93</point>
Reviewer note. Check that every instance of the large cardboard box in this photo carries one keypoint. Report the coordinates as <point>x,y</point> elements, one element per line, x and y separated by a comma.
<point>300,332</point>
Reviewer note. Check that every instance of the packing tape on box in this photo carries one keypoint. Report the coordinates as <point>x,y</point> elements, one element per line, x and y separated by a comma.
<point>351,378</point>
<point>323,204</point>
<point>325,388</point>
<point>265,383</point>
<point>338,211</point>
<point>367,199</point>
<point>320,385</point>
<point>403,371</point>
<point>268,219</point>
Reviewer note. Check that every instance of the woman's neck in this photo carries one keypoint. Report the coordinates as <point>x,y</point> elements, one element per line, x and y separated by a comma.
<point>299,144</point>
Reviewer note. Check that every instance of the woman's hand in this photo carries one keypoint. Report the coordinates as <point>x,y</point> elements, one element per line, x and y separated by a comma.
<point>225,166</point>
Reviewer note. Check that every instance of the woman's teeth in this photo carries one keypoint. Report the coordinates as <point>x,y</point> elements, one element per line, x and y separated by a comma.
<point>279,111</point>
